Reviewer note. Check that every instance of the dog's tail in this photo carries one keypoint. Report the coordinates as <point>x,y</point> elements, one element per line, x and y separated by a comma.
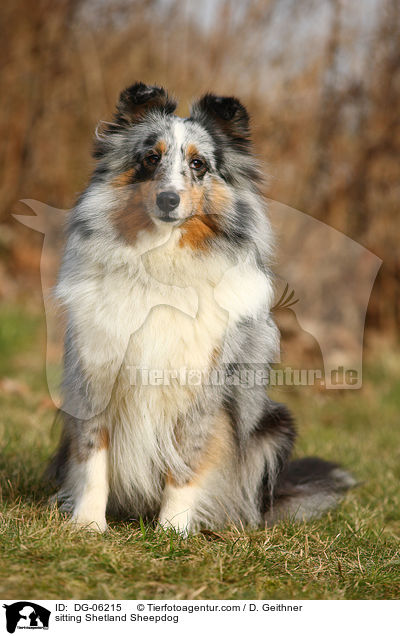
<point>307,488</point>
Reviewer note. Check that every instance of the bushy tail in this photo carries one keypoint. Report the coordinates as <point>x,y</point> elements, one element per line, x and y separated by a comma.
<point>307,488</point>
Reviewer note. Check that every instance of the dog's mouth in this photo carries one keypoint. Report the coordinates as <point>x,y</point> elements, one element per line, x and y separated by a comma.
<point>172,219</point>
<point>168,219</point>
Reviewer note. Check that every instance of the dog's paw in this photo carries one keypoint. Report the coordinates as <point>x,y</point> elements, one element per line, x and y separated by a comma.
<point>179,523</point>
<point>80,522</point>
<point>166,526</point>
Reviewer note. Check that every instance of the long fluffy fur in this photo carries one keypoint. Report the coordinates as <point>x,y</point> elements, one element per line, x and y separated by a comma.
<point>166,289</point>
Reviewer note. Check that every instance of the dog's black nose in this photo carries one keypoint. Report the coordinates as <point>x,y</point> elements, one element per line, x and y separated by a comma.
<point>168,201</point>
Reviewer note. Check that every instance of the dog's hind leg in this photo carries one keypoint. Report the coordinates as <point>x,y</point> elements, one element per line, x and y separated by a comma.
<point>234,478</point>
<point>299,489</point>
<point>186,506</point>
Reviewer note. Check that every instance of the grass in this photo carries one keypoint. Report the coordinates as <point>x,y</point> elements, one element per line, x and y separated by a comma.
<point>351,553</point>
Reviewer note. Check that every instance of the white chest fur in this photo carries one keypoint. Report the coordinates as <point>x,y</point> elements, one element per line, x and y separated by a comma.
<point>163,308</point>
<point>203,296</point>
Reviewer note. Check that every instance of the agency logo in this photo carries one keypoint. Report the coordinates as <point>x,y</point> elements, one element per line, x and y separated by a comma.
<point>26,615</point>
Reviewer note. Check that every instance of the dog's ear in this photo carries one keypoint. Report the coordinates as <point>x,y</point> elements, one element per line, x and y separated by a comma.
<point>133,104</point>
<point>227,114</point>
<point>138,99</point>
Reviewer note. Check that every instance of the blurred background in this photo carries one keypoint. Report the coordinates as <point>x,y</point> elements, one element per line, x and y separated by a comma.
<point>321,79</point>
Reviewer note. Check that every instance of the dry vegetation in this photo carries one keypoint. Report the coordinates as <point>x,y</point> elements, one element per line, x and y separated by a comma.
<point>322,81</point>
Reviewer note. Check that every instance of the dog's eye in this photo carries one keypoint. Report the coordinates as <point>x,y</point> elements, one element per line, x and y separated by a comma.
<point>198,165</point>
<point>152,160</point>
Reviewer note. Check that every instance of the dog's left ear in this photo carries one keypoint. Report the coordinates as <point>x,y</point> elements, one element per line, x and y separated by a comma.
<point>227,114</point>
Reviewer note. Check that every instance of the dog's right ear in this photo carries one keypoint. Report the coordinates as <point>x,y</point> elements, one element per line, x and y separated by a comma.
<point>134,103</point>
<point>137,100</point>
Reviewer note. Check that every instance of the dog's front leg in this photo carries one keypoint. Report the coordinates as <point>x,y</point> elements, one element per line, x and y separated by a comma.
<point>89,480</point>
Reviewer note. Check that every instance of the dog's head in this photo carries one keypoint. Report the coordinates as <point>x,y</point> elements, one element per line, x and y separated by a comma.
<point>187,173</point>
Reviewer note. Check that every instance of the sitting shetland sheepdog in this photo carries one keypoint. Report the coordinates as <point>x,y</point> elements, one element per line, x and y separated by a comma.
<point>165,270</point>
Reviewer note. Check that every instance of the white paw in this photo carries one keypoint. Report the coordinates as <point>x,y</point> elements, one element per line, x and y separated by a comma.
<point>84,522</point>
<point>183,530</point>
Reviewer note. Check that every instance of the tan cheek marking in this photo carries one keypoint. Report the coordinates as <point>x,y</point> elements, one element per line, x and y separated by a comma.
<point>219,198</point>
<point>192,199</point>
<point>196,233</point>
<point>123,179</point>
<point>132,217</point>
<point>200,227</point>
